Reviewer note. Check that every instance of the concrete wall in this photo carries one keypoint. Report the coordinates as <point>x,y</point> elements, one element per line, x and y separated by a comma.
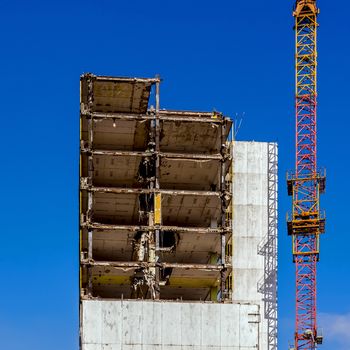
<point>249,218</point>
<point>251,180</point>
<point>147,325</point>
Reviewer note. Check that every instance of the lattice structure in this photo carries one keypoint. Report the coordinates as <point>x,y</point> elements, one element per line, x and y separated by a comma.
<point>268,248</point>
<point>306,222</point>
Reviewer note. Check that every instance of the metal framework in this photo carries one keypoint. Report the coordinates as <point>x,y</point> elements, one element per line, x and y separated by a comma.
<point>268,248</point>
<point>305,185</point>
<point>146,259</point>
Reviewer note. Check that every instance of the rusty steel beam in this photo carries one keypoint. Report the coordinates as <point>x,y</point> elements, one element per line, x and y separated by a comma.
<point>155,240</point>
<point>121,190</point>
<point>98,116</point>
<point>191,113</point>
<point>223,208</point>
<point>120,79</point>
<point>147,116</point>
<point>186,156</point>
<point>137,264</point>
<point>100,152</point>
<point>90,174</point>
<point>135,228</point>
<point>168,155</point>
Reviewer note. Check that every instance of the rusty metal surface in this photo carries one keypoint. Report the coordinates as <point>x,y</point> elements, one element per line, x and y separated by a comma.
<point>184,156</point>
<point>135,264</point>
<point>134,228</point>
<point>164,115</point>
<point>116,190</point>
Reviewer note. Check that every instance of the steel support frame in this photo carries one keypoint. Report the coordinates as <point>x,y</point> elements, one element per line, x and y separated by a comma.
<point>90,103</point>
<point>156,186</point>
<point>225,195</point>
<point>122,190</point>
<point>268,248</point>
<point>134,228</point>
<point>125,265</point>
<point>164,115</point>
<point>305,186</point>
<point>166,155</point>
<point>152,266</point>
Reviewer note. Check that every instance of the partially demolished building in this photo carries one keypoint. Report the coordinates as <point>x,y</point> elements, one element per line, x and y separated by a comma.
<point>178,225</point>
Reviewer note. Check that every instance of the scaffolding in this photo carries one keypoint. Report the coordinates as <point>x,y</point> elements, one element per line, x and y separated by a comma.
<point>268,249</point>
<point>155,196</point>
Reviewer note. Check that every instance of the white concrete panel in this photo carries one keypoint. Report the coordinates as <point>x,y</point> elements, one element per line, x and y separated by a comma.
<point>240,158</point>
<point>250,202</point>
<point>239,223</point>
<point>257,189</point>
<point>250,188</point>
<point>240,188</point>
<point>256,158</point>
<point>191,330</point>
<point>132,322</point>
<point>210,330</point>
<point>111,347</point>
<point>256,226</point>
<point>93,347</point>
<point>150,333</point>
<point>250,157</point>
<point>146,325</point>
<point>132,347</point>
<point>229,334</point>
<point>245,253</point>
<point>170,320</point>
<point>92,323</point>
<point>248,329</point>
<point>110,333</point>
<point>245,284</point>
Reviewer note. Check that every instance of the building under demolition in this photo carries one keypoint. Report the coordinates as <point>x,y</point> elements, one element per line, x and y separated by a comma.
<point>178,225</point>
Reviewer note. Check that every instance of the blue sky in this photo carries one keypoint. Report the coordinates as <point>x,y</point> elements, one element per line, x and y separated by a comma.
<point>234,56</point>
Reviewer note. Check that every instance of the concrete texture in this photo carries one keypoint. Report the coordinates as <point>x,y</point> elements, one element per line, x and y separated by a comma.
<point>147,325</point>
<point>251,225</point>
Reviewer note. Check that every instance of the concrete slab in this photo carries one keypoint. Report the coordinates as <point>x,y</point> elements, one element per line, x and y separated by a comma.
<point>136,324</point>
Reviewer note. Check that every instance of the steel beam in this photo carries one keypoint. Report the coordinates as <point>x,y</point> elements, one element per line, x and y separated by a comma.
<point>135,228</point>
<point>163,265</point>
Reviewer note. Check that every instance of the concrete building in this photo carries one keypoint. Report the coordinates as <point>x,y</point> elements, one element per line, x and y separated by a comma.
<point>178,226</point>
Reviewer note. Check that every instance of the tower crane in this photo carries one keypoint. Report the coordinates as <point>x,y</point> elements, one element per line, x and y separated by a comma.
<point>305,185</point>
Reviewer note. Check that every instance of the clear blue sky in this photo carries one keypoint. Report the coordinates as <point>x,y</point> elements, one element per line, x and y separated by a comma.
<point>234,56</point>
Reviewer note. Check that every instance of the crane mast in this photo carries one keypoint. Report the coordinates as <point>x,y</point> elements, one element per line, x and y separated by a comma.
<point>305,185</point>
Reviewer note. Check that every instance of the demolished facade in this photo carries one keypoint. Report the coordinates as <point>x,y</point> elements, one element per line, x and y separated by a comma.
<point>177,224</point>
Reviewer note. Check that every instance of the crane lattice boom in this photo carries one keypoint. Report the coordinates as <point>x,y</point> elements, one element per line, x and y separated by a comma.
<point>305,185</point>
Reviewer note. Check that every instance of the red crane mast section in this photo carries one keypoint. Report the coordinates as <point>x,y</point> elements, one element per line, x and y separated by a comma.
<point>305,185</point>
